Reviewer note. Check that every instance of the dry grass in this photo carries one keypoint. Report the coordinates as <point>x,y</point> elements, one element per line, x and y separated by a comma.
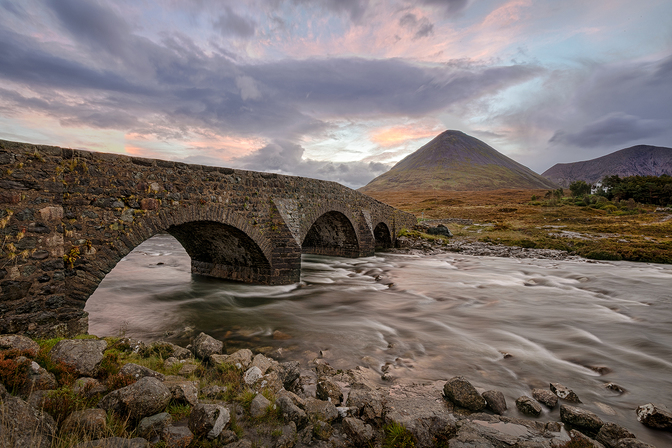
<point>636,234</point>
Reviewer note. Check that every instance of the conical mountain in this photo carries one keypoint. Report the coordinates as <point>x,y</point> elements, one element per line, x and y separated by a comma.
<point>456,161</point>
<point>640,160</point>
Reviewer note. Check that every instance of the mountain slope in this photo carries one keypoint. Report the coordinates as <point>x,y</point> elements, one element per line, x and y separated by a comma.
<point>640,160</point>
<point>456,161</point>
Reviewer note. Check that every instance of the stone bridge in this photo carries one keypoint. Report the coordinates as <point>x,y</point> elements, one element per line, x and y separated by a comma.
<point>68,216</point>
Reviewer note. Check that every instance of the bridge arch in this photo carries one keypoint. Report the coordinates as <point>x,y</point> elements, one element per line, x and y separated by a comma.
<point>382,236</point>
<point>332,233</point>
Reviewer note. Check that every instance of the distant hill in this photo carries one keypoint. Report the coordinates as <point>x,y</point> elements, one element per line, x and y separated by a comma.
<point>457,161</point>
<point>640,160</point>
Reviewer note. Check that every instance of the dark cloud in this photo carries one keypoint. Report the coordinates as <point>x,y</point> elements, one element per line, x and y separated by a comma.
<point>613,129</point>
<point>286,157</point>
<point>450,6</point>
<point>355,9</point>
<point>422,27</point>
<point>93,23</point>
<point>231,24</point>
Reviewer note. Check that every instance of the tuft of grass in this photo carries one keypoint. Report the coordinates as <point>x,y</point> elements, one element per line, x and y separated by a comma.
<point>397,436</point>
<point>178,410</point>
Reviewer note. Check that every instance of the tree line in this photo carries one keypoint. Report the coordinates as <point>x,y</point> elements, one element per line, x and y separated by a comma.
<point>656,190</point>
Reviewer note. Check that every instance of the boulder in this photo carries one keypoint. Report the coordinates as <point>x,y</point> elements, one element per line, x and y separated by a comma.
<point>24,426</point>
<point>462,393</point>
<point>583,440</point>
<point>188,369</point>
<point>528,406</point>
<point>18,342</point>
<point>320,410</point>
<point>291,411</point>
<point>138,372</point>
<point>322,430</point>
<point>564,393</point>
<point>328,390</point>
<point>92,422</point>
<point>38,378</point>
<point>545,397</point>
<point>147,396</point>
<point>204,346</point>
<point>252,375</point>
<point>288,437</point>
<point>152,426</point>
<point>580,417</point>
<point>367,403</point>
<point>183,391</point>
<point>289,372</point>
<point>168,349</point>
<point>360,433</point>
<point>655,416</point>
<point>88,387</point>
<point>213,392</point>
<point>259,406</point>
<point>208,420</point>
<point>439,230</point>
<point>84,355</point>
<point>171,362</point>
<point>262,362</point>
<point>495,401</point>
<point>115,442</point>
<point>177,436</point>
<point>611,433</point>
<point>241,359</point>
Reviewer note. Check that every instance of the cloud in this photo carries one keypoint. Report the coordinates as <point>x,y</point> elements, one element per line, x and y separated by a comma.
<point>450,6</point>
<point>231,24</point>
<point>248,88</point>
<point>422,27</point>
<point>613,129</point>
<point>286,157</point>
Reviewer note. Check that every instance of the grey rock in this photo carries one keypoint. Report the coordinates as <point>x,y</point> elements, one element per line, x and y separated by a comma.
<point>545,397</point>
<point>288,437</point>
<point>580,417</point>
<point>439,230</point>
<point>633,443</point>
<point>244,443</point>
<point>587,441</point>
<point>227,436</point>
<point>328,390</point>
<point>291,412</point>
<point>183,391</point>
<point>92,422</point>
<point>361,433</point>
<point>115,442</point>
<point>368,404</point>
<point>564,393</point>
<point>252,375</point>
<point>18,342</point>
<point>462,393</point>
<point>177,436</point>
<point>259,406</point>
<point>188,369</point>
<point>655,416</point>
<point>208,420</point>
<point>262,362</point>
<point>204,346</point>
<point>611,433</point>
<point>88,387</point>
<point>290,373</point>
<point>528,406</point>
<point>138,372</point>
<point>495,401</point>
<point>84,355</point>
<point>241,359</point>
<point>171,362</point>
<point>320,410</point>
<point>322,430</point>
<point>152,426</point>
<point>24,426</point>
<point>147,396</point>
<point>213,392</point>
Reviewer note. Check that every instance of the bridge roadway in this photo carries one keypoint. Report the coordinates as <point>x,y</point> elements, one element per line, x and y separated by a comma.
<point>68,216</point>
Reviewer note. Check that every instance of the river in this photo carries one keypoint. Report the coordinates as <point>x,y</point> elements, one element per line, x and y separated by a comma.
<point>505,324</point>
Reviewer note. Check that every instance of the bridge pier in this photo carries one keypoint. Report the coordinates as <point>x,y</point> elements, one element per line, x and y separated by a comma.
<point>68,216</point>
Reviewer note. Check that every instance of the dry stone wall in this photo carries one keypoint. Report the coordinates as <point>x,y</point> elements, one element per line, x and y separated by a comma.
<point>68,216</point>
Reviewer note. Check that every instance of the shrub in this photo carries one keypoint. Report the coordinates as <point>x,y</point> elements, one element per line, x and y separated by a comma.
<point>397,436</point>
<point>62,402</point>
<point>13,373</point>
<point>119,380</point>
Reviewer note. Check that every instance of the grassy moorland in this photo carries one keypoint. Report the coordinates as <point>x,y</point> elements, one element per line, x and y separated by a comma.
<point>592,227</point>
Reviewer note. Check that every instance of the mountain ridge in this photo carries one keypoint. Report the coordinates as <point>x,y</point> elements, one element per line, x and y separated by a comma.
<point>456,161</point>
<point>638,160</point>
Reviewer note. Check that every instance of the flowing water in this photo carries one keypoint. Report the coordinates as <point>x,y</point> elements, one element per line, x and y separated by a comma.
<point>427,318</point>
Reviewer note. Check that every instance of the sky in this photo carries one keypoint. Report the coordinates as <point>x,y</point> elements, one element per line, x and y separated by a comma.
<point>335,89</point>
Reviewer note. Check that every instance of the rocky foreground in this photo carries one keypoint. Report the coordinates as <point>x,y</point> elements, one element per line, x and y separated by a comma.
<point>119,392</point>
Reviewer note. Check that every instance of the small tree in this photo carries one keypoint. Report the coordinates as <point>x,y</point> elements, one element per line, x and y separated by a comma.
<point>579,188</point>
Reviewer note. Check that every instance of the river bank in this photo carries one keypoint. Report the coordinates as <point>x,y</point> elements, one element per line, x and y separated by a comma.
<point>120,392</point>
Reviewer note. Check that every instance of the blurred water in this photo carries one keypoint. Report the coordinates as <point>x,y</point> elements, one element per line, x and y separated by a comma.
<point>428,318</point>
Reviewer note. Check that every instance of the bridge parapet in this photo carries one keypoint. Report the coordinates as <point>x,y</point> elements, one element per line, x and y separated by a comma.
<point>68,216</point>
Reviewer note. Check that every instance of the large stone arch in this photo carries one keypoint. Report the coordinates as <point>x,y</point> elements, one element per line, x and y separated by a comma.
<point>332,233</point>
<point>195,228</point>
<point>382,236</point>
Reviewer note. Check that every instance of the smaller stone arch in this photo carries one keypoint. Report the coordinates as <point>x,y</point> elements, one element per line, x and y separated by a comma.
<point>383,236</point>
<point>332,233</point>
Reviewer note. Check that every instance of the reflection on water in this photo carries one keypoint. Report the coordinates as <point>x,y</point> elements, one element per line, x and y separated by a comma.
<point>427,318</point>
